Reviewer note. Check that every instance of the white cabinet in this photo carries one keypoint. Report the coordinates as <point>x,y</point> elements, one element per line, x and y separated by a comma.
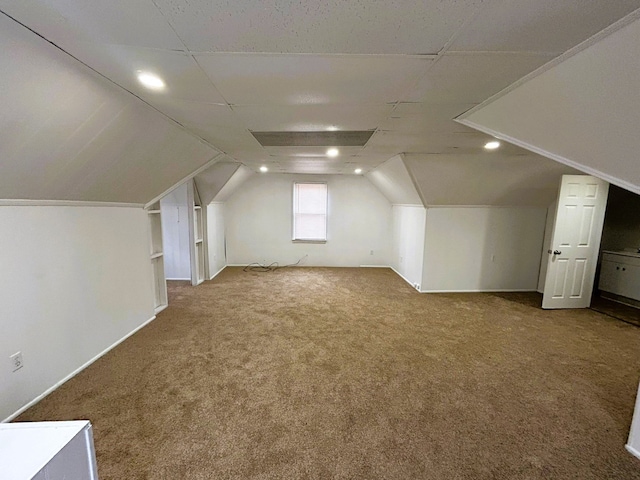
<point>620,274</point>
<point>47,451</point>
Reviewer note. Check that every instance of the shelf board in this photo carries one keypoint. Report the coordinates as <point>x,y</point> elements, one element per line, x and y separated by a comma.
<point>153,211</point>
<point>156,255</point>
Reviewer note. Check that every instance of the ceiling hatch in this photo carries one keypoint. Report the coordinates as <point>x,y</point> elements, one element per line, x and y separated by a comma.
<point>353,138</point>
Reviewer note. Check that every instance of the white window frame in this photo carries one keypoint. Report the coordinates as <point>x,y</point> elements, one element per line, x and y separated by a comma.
<point>293,216</point>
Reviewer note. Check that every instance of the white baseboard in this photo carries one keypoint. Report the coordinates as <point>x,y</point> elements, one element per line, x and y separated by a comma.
<point>497,290</point>
<point>160,308</point>
<point>216,274</point>
<point>181,279</point>
<point>632,451</point>
<point>75,372</point>
<point>405,279</point>
<point>319,266</point>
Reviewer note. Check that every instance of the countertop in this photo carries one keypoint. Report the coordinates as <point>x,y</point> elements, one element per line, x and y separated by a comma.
<point>626,254</point>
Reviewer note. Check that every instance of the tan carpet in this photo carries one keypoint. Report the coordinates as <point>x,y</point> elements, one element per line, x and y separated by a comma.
<point>349,373</point>
<point>623,312</point>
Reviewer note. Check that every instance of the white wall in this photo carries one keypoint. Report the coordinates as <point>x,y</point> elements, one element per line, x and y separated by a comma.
<point>74,281</point>
<point>408,242</point>
<point>216,238</point>
<point>258,220</point>
<point>175,234</point>
<point>483,248</point>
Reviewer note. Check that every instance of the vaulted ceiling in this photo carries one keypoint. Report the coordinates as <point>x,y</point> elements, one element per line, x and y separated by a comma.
<point>402,69</point>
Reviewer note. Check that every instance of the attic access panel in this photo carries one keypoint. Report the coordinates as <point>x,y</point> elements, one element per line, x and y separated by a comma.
<point>354,138</point>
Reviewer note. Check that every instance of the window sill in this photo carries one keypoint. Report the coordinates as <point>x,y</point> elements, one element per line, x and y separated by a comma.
<point>308,241</point>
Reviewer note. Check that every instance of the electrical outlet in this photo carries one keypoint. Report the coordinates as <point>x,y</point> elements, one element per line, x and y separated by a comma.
<point>16,361</point>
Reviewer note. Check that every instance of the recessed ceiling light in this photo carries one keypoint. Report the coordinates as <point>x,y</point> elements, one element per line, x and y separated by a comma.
<point>332,128</point>
<point>151,81</point>
<point>358,170</point>
<point>492,145</point>
<point>264,169</point>
<point>333,152</point>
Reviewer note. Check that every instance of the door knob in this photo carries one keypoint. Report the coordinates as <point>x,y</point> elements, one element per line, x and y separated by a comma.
<point>557,252</point>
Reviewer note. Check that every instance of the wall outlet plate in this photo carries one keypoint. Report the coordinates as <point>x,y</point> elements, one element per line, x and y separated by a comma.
<point>16,361</point>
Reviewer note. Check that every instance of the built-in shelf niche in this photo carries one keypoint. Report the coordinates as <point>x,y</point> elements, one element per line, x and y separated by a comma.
<point>198,224</point>
<point>198,247</point>
<point>198,229</point>
<point>200,259</point>
<point>157,258</point>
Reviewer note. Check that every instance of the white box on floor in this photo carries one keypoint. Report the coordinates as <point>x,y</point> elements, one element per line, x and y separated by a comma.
<point>47,451</point>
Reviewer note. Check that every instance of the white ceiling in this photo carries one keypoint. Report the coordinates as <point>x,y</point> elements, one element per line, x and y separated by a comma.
<point>394,181</point>
<point>213,179</point>
<point>404,68</point>
<point>489,179</point>
<point>585,110</point>
<point>68,134</point>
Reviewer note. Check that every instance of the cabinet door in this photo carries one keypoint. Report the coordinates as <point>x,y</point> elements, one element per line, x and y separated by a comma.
<point>629,281</point>
<point>609,277</point>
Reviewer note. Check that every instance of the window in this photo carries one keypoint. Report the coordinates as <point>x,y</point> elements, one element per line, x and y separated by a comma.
<point>310,212</point>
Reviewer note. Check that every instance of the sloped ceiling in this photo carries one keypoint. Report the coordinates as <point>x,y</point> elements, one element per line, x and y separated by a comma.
<point>395,183</point>
<point>402,68</point>
<point>213,179</point>
<point>489,179</point>
<point>66,133</point>
<point>584,111</point>
<point>240,176</point>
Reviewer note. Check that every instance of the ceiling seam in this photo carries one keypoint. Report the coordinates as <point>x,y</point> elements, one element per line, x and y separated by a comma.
<point>447,45</point>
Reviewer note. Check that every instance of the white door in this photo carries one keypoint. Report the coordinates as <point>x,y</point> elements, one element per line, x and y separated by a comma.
<point>575,242</point>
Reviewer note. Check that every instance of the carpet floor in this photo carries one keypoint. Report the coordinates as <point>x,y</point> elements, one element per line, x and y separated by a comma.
<point>344,373</point>
<point>623,312</point>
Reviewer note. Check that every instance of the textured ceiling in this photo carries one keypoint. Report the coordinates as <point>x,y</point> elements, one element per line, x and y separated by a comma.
<point>403,68</point>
